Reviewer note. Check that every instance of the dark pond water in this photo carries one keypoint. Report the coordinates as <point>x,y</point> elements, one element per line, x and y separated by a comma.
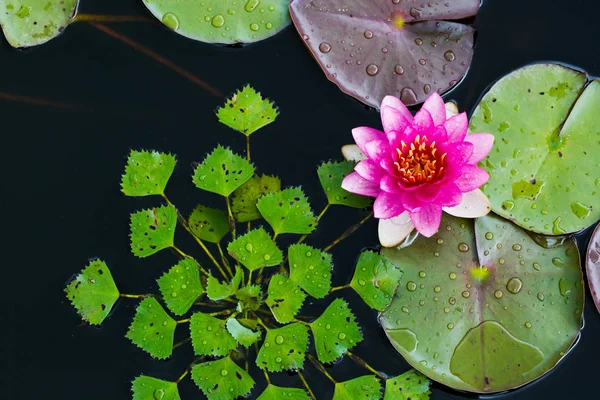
<point>61,167</point>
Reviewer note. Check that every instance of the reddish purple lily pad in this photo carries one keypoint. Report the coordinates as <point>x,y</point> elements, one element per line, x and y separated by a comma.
<point>592,265</point>
<point>375,48</point>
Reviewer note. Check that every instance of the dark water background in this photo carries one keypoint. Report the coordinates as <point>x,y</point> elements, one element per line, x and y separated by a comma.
<point>61,169</point>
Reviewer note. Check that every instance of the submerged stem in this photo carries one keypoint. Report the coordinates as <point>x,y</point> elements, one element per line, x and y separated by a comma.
<point>110,18</point>
<point>231,219</point>
<point>185,373</point>
<point>224,259</point>
<point>305,383</point>
<point>320,367</point>
<point>303,237</point>
<point>348,232</point>
<point>184,341</point>
<point>364,364</point>
<point>248,147</point>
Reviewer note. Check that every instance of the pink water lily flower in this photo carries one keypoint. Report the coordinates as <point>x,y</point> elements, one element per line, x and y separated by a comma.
<point>419,166</point>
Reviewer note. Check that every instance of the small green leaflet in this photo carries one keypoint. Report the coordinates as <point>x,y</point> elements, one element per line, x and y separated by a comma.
<point>246,111</point>
<point>222,379</point>
<point>331,174</point>
<point>365,387</point>
<point>148,388</point>
<point>93,292</point>
<point>152,230</point>
<point>147,173</point>
<point>310,269</point>
<point>375,280</point>
<point>284,298</point>
<point>284,348</point>
<point>273,392</point>
<point>410,385</point>
<point>250,297</point>
<point>218,291</point>
<point>335,331</point>
<point>209,224</point>
<point>255,250</point>
<point>181,286</point>
<point>209,336</point>
<point>244,336</point>
<point>288,211</point>
<point>152,329</point>
<point>222,172</point>
<point>243,203</point>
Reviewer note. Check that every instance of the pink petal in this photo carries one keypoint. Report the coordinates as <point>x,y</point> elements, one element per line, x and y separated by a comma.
<point>459,153</point>
<point>394,138</point>
<point>471,178</point>
<point>435,105</point>
<point>427,219</point>
<point>390,184</point>
<point>351,152</point>
<point>482,143</point>
<point>362,135</point>
<point>395,102</point>
<point>423,121</point>
<point>457,127</point>
<point>449,195</point>
<point>394,230</point>
<point>354,183</point>
<point>387,205</point>
<point>393,120</point>
<point>377,150</point>
<point>474,204</point>
<point>370,171</point>
<point>411,202</point>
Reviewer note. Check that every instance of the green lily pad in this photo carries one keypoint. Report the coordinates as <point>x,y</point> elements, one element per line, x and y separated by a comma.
<point>310,269</point>
<point>375,280</point>
<point>411,385</point>
<point>366,387</point>
<point>244,336</point>
<point>482,307</point>
<point>152,230</point>
<point>34,22</point>
<point>222,379</point>
<point>246,111</point>
<point>243,203</point>
<point>148,388</point>
<point>222,21</point>
<point>147,173</point>
<point>543,167</point>
<point>255,250</point>
<point>181,286</point>
<point>210,336</point>
<point>273,392</point>
<point>284,298</point>
<point>331,174</point>
<point>288,211</point>
<point>152,329</point>
<point>284,348</point>
<point>222,172</point>
<point>210,224</point>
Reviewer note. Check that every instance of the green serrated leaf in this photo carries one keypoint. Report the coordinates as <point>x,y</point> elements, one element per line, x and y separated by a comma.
<point>209,336</point>
<point>222,172</point>
<point>250,297</point>
<point>148,388</point>
<point>284,348</point>
<point>243,203</point>
<point>366,387</point>
<point>209,224</point>
<point>255,250</point>
<point>331,174</point>
<point>246,111</point>
<point>310,269</point>
<point>152,230</point>
<point>288,211</point>
<point>375,280</point>
<point>273,392</point>
<point>93,292</point>
<point>152,329</point>
<point>219,291</point>
<point>335,331</point>
<point>411,385</point>
<point>222,379</point>
<point>244,336</point>
<point>284,298</point>
<point>181,286</point>
<point>147,173</point>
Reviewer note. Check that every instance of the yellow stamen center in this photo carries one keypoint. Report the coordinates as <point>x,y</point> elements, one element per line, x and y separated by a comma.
<point>420,161</point>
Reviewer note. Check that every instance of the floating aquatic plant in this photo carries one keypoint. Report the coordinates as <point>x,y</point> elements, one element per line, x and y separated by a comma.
<point>244,303</point>
<point>388,47</point>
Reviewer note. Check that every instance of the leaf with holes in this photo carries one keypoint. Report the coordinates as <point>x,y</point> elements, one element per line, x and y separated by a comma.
<point>288,211</point>
<point>410,385</point>
<point>147,388</point>
<point>246,111</point>
<point>93,292</point>
<point>244,336</point>
<point>485,304</point>
<point>210,336</point>
<point>375,280</point>
<point>284,348</point>
<point>181,286</point>
<point>152,230</point>
<point>222,172</point>
<point>255,250</point>
<point>219,291</point>
<point>273,392</point>
<point>310,269</point>
<point>222,379</point>
<point>335,331</point>
<point>284,298</point>
<point>152,329</point>
<point>400,48</point>
<point>147,173</point>
<point>331,174</point>
<point>243,203</point>
<point>543,168</point>
<point>210,224</point>
<point>366,387</point>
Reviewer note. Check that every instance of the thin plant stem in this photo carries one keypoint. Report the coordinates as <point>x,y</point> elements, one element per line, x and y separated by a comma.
<point>224,259</point>
<point>259,278</point>
<point>205,304</point>
<point>110,18</point>
<point>183,321</point>
<point>184,341</point>
<point>231,220</point>
<point>261,323</point>
<point>250,278</point>
<point>134,296</point>
<point>364,364</point>
<point>247,366</point>
<point>303,237</point>
<point>301,322</point>
<point>184,255</point>
<point>321,368</point>
<point>335,289</point>
<point>185,373</point>
<point>348,232</point>
<point>275,236</point>
<point>222,312</point>
<point>248,147</point>
<point>267,377</point>
<point>305,383</point>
